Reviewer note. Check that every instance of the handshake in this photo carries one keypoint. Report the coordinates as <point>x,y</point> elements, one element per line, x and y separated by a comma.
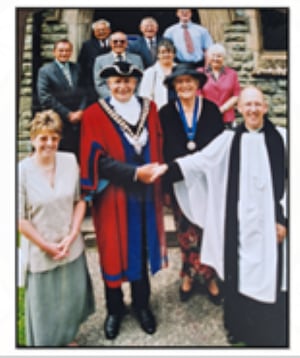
<point>148,173</point>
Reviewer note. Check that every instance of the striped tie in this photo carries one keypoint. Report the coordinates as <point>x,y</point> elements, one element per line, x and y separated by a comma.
<point>67,73</point>
<point>153,48</point>
<point>188,39</point>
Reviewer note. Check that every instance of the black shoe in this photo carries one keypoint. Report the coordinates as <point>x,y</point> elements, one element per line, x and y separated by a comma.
<point>112,325</point>
<point>146,320</point>
<point>185,295</point>
<point>217,300</point>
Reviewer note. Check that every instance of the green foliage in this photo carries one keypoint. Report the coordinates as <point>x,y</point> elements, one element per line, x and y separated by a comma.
<point>18,239</point>
<point>21,318</point>
<point>239,344</point>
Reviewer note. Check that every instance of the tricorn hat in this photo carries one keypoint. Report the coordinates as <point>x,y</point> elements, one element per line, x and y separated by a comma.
<point>183,69</point>
<point>121,69</point>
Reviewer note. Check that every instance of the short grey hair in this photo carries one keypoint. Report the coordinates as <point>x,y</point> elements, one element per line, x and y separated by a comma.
<point>148,18</point>
<point>100,21</point>
<point>216,48</point>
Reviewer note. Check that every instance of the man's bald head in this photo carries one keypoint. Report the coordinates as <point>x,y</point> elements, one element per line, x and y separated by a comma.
<point>252,106</point>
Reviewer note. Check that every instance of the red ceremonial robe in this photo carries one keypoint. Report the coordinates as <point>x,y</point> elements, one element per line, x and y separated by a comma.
<point>99,136</point>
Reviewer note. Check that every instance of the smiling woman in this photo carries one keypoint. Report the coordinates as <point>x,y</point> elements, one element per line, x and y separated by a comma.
<point>50,215</point>
<point>189,123</point>
<point>45,137</point>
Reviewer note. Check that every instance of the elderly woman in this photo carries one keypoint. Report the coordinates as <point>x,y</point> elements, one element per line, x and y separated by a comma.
<point>222,86</point>
<point>189,123</point>
<point>151,85</point>
<point>58,292</point>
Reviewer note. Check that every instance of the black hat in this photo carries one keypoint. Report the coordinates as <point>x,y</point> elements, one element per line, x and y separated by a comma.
<point>185,69</point>
<point>121,68</point>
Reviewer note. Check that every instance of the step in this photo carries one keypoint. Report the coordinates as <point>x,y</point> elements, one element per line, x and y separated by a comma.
<point>87,229</point>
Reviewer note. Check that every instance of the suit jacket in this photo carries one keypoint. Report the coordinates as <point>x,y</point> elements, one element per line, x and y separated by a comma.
<point>89,51</point>
<point>106,60</point>
<point>140,47</point>
<point>54,91</point>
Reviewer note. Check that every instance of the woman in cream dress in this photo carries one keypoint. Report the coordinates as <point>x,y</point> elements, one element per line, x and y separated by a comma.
<point>58,293</point>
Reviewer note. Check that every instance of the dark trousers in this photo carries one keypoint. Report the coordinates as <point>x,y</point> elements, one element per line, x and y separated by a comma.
<point>140,289</point>
<point>195,64</point>
<point>140,293</point>
<point>70,140</point>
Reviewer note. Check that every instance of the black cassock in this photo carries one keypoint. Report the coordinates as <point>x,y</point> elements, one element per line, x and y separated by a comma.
<point>247,317</point>
<point>256,323</point>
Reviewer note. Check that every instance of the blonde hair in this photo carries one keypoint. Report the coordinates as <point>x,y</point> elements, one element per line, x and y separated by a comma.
<point>46,120</point>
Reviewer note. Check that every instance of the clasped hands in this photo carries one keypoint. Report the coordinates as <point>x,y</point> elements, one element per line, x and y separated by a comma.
<point>148,173</point>
<point>61,250</point>
<point>75,116</point>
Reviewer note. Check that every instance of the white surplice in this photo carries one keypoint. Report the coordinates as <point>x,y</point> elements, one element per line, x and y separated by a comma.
<point>202,197</point>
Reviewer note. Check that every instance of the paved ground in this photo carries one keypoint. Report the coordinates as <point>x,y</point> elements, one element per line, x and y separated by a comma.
<point>196,323</point>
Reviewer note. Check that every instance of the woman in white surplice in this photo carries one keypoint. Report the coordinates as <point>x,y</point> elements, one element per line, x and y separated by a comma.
<point>239,177</point>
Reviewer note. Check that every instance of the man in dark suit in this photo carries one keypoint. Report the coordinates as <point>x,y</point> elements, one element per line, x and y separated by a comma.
<point>146,45</point>
<point>118,43</point>
<point>59,89</point>
<point>96,46</point>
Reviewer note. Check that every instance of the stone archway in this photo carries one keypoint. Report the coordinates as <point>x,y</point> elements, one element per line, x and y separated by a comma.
<point>79,27</point>
<point>215,21</point>
<point>128,19</point>
<point>80,20</point>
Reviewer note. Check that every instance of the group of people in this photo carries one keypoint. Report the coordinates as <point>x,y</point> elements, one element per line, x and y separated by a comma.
<point>147,122</point>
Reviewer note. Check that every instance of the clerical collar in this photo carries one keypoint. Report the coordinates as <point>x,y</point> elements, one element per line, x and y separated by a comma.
<point>257,130</point>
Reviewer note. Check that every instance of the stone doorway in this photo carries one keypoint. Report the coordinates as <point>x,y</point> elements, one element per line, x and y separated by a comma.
<point>128,19</point>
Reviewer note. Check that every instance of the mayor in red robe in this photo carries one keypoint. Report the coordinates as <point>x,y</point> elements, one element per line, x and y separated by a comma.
<point>121,137</point>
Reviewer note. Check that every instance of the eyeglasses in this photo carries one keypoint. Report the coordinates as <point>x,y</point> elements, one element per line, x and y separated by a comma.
<point>119,41</point>
<point>163,52</point>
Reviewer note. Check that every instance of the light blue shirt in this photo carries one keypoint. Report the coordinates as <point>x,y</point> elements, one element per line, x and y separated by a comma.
<point>200,37</point>
<point>62,66</point>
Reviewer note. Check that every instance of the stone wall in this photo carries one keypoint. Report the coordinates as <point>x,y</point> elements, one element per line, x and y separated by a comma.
<point>273,83</point>
<point>52,29</point>
<point>236,40</point>
<point>25,93</point>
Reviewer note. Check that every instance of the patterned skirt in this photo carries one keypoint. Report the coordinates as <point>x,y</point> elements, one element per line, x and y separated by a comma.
<point>189,239</point>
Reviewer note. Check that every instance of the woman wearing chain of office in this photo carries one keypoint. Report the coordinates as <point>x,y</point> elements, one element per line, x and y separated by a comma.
<point>189,123</point>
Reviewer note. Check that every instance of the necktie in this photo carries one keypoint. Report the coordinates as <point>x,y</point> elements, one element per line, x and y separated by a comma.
<point>67,74</point>
<point>153,48</point>
<point>188,39</point>
<point>119,58</point>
